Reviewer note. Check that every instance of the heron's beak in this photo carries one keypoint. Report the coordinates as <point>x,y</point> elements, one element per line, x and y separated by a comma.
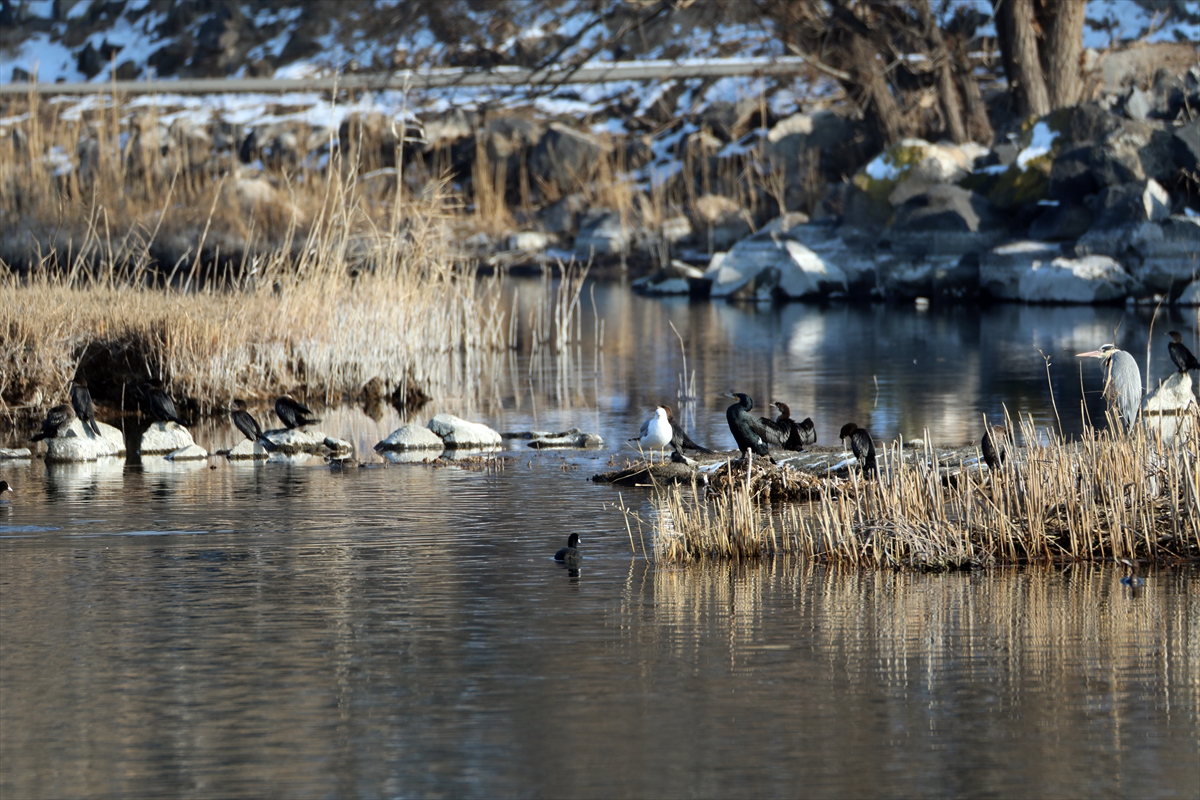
<point>1090,354</point>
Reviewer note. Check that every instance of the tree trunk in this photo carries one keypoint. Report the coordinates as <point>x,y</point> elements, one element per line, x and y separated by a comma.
<point>979,127</point>
<point>1063,48</point>
<point>1018,35</point>
<point>879,107</point>
<point>947,91</point>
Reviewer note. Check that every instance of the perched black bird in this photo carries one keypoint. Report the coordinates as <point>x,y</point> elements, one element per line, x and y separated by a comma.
<point>248,425</point>
<point>1183,358</point>
<point>746,429</point>
<point>161,405</point>
<point>570,554</point>
<point>786,432</point>
<point>679,438</point>
<point>81,400</point>
<point>994,446</point>
<point>57,418</point>
<point>863,447</point>
<point>293,413</point>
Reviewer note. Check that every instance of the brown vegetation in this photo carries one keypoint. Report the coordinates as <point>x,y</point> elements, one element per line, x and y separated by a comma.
<point>1105,497</point>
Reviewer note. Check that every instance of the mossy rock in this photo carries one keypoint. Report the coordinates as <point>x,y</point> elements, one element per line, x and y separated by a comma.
<point>902,157</point>
<point>1016,187</point>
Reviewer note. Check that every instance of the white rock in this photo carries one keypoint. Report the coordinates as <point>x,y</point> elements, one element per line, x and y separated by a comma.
<point>192,452</point>
<point>295,440</point>
<point>246,450</point>
<point>801,272</point>
<point>457,432</point>
<point>411,437</point>
<point>1156,201</point>
<point>1166,409</point>
<point>530,241</point>
<point>20,452</point>
<point>1191,295</point>
<point>1091,279</point>
<point>164,437</point>
<point>79,444</point>
<point>412,456</point>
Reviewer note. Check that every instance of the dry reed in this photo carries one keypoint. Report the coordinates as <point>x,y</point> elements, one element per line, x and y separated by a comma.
<point>1104,497</point>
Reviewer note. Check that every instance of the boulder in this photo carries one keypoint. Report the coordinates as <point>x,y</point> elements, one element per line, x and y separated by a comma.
<point>530,241</point>
<point>411,456</point>
<point>1091,279</point>
<point>1167,410</point>
<point>1169,252</point>
<point>1001,269</point>
<point>903,278</point>
<point>295,441</point>
<point>1060,221</point>
<point>164,437</point>
<point>411,437</point>
<point>562,216</point>
<point>456,432</point>
<point>573,438</point>
<point>675,278</point>
<point>246,450</point>
<point>1121,210</point>
<point>602,233</point>
<point>1185,146</point>
<point>1191,295</point>
<point>944,220</point>
<point>75,443</point>
<point>762,264</point>
<point>192,452</point>
<point>565,157</point>
<point>7,453</point>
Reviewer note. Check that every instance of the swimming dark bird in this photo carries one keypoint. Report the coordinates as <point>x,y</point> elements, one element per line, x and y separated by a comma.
<point>863,447</point>
<point>1130,578</point>
<point>786,432</point>
<point>656,432</point>
<point>56,419</point>
<point>994,446</point>
<point>1183,358</point>
<point>81,401</point>
<point>679,437</point>
<point>747,429</point>
<point>570,554</point>
<point>293,413</point>
<point>162,407</point>
<point>1123,386</point>
<point>4,487</point>
<point>247,424</point>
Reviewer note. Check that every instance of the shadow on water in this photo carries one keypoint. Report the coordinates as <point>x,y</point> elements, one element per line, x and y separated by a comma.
<point>297,630</point>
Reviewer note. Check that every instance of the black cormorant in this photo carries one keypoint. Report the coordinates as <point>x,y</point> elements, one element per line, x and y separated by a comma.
<point>57,418</point>
<point>747,430</point>
<point>679,437</point>
<point>862,445</point>
<point>81,400</point>
<point>161,405</point>
<point>786,432</point>
<point>1183,358</point>
<point>248,425</point>
<point>570,554</point>
<point>293,413</point>
<point>994,446</point>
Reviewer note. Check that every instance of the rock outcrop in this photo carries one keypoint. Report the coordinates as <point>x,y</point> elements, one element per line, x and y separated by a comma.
<point>76,443</point>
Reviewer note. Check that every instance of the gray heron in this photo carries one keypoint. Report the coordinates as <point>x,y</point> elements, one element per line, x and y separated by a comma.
<point>1123,386</point>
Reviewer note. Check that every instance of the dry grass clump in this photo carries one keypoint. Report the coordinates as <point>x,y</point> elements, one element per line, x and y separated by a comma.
<point>336,281</point>
<point>1104,497</point>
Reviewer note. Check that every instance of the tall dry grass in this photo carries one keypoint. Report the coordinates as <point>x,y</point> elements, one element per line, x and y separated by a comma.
<point>315,281</point>
<point>1107,496</point>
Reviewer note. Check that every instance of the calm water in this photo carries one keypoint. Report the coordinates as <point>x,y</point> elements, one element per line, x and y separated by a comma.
<point>274,630</point>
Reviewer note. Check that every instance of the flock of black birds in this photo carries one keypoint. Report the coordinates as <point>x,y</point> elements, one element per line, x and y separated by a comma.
<point>292,413</point>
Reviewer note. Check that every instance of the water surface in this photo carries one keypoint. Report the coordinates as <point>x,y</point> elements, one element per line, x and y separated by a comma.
<point>275,630</point>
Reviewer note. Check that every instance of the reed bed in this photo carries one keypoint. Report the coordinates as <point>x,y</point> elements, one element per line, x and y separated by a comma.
<point>314,282</point>
<point>1102,497</point>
